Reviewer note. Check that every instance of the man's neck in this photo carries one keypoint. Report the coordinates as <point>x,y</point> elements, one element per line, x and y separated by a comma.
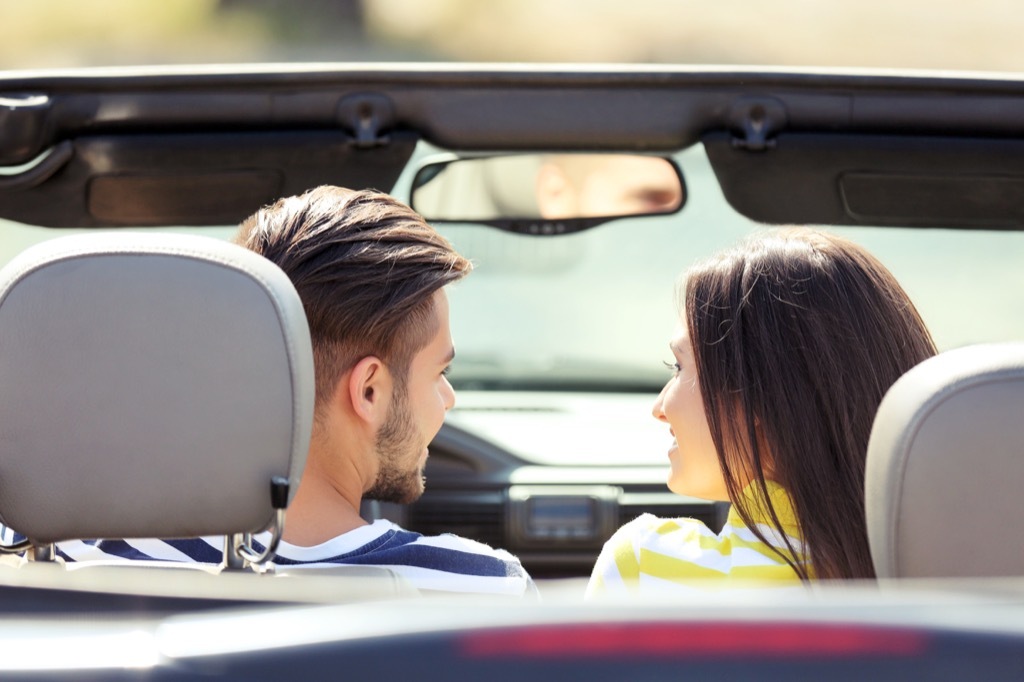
<point>322,508</point>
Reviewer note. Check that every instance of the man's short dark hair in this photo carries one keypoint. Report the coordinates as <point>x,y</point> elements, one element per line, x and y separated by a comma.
<point>366,267</point>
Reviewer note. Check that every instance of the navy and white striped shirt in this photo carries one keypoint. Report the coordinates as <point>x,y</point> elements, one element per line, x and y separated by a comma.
<point>445,563</point>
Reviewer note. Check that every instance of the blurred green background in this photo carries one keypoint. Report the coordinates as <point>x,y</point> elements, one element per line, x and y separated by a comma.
<point>977,35</point>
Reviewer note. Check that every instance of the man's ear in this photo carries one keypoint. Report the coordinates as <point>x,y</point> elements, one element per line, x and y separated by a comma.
<point>369,385</point>
<point>556,197</point>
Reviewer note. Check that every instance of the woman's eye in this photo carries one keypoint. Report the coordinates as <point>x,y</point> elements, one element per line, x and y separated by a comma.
<point>673,367</point>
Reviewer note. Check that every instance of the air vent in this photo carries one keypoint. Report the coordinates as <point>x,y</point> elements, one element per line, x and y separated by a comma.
<point>480,517</point>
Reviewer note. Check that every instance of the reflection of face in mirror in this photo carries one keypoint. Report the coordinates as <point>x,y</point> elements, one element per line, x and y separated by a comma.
<point>603,185</point>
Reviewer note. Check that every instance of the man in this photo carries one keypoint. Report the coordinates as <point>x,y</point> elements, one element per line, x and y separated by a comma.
<point>604,185</point>
<point>371,275</point>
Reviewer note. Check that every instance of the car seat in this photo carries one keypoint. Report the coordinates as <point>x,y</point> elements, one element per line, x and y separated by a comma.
<point>153,385</point>
<point>945,467</point>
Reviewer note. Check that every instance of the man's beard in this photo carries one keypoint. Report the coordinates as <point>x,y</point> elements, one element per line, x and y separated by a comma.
<point>399,477</point>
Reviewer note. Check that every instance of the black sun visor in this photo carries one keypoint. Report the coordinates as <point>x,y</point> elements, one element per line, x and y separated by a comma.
<point>883,180</point>
<point>190,179</point>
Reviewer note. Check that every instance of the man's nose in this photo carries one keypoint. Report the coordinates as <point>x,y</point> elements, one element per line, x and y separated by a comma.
<point>448,395</point>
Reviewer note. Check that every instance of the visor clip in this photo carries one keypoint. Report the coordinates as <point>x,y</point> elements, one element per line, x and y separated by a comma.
<point>755,121</point>
<point>366,115</point>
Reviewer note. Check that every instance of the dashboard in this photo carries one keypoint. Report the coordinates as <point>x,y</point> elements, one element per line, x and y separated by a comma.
<point>548,476</point>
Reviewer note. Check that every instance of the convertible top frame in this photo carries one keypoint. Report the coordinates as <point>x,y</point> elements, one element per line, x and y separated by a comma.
<point>131,147</point>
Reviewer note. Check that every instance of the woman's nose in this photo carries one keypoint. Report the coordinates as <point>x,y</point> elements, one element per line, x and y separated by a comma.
<point>658,411</point>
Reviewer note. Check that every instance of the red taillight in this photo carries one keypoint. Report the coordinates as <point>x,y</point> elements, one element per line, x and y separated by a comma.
<point>693,640</point>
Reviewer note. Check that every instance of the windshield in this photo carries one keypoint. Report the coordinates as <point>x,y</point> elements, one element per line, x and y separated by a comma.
<point>594,310</point>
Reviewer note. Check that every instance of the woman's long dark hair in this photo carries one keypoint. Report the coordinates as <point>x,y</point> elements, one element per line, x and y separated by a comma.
<point>797,335</point>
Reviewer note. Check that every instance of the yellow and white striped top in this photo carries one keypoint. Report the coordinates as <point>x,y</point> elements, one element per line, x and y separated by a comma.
<point>652,555</point>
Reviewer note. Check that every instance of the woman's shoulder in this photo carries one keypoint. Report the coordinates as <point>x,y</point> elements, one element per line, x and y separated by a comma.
<point>652,550</point>
<point>648,529</point>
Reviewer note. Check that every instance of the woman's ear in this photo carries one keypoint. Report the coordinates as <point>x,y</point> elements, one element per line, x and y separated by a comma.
<point>766,450</point>
<point>368,385</point>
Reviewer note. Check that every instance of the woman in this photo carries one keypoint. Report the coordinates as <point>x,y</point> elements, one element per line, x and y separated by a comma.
<point>787,344</point>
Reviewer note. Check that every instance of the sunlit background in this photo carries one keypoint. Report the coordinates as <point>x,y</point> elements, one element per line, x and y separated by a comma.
<point>977,35</point>
<point>963,302</point>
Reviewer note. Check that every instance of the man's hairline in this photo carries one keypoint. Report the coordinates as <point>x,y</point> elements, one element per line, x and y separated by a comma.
<point>434,328</point>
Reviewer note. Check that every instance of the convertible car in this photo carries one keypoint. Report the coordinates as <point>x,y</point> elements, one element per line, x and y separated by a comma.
<point>580,194</point>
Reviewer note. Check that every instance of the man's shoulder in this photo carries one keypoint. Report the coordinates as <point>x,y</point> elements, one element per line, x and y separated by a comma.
<point>449,541</point>
<point>458,545</point>
<point>387,543</point>
<point>207,550</point>
<point>431,563</point>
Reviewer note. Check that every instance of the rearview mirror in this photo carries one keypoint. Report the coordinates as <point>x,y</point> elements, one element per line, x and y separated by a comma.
<point>550,193</point>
